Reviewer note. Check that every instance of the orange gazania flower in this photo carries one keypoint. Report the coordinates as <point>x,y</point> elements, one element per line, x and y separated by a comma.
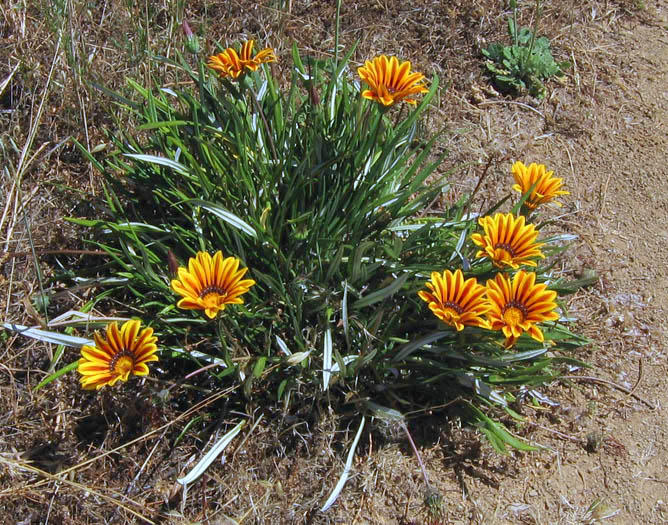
<point>516,307</point>
<point>117,356</point>
<point>390,81</point>
<point>455,301</point>
<point>230,64</point>
<point>508,241</point>
<point>547,186</point>
<point>211,283</point>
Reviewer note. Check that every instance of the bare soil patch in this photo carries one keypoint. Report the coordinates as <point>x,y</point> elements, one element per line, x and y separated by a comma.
<point>604,130</point>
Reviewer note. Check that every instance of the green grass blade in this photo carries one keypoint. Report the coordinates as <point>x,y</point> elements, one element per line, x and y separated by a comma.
<point>381,294</point>
<point>56,375</point>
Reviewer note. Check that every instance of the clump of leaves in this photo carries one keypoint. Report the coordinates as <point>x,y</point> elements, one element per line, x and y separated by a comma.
<point>322,195</point>
<point>524,65</point>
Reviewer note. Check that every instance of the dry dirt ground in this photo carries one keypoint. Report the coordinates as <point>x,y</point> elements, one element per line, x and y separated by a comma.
<point>604,129</point>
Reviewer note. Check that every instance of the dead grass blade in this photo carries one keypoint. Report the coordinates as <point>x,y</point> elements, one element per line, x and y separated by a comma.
<point>211,399</point>
<point>60,479</point>
<point>14,191</point>
<point>6,81</point>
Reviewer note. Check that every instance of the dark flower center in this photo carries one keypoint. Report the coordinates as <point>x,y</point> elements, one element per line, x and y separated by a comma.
<point>211,290</point>
<point>513,310</point>
<point>505,246</point>
<point>453,306</point>
<point>126,356</point>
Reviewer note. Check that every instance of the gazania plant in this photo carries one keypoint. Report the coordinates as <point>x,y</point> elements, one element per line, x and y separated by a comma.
<point>211,283</point>
<point>508,241</point>
<point>275,235</point>
<point>391,81</point>
<point>540,184</point>
<point>115,357</point>
<point>231,64</point>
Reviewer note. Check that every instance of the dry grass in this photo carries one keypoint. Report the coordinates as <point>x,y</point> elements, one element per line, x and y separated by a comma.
<point>73,457</point>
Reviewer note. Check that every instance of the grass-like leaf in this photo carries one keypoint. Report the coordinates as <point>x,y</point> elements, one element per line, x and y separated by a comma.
<point>346,470</point>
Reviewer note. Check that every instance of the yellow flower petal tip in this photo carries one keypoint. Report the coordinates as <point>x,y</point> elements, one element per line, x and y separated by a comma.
<point>211,283</point>
<point>508,241</point>
<point>455,301</point>
<point>517,306</point>
<point>231,64</point>
<point>546,187</point>
<point>390,81</point>
<point>118,355</point>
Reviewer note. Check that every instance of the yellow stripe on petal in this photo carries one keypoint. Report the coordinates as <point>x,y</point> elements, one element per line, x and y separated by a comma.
<point>390,81</point>
<point>116,356</point>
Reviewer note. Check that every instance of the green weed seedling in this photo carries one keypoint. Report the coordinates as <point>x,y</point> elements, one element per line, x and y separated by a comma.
<point>527,63</point>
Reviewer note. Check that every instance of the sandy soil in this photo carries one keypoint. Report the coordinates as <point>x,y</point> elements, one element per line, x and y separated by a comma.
<point>605,130</point>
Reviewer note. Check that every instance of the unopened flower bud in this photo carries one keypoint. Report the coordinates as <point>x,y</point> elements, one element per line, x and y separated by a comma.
<point>313,92</point>
<point>172,263</point>
<point>192,42</point>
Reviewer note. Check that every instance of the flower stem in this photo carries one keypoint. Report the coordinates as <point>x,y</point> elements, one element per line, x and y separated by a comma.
<point>417,455</point>
<point>535,26</point>
<point>513,5</point>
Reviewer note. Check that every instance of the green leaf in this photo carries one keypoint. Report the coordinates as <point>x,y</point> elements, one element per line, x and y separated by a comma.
<point>497,434</point>
<point>163,124</point>
<point>381,294</point>
<point>162,161</point>
<point>56,375</point>
<point>115,95</point>
<point>230,218</point>
<point>405,351</point>
<point>327,359</point>
<point>88,156</point>
<point>281,389</point>
<point>382,412</point>
<point>48,336</point>
<point>259,367</point>
<point>187,427</point>
<point>210,456</point>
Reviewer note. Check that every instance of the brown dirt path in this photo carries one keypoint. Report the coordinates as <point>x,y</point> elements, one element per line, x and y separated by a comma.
<point>628,239</point>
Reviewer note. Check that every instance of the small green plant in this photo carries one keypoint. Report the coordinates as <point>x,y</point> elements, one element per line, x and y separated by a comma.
<point>524,65</point>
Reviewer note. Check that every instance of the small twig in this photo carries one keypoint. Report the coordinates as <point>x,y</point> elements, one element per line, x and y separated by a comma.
<point>53,498</point>
<point>38,269</point>
<point>598,380</point>
<point>559,434</point>
<point>639,377</point>
<point>429,410</point>
<point>482,177</point>
<point>657,480</point>
<point>243,441</point>
<point>132,484</point>
<point>525,106</point>
<point>199,370</point>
